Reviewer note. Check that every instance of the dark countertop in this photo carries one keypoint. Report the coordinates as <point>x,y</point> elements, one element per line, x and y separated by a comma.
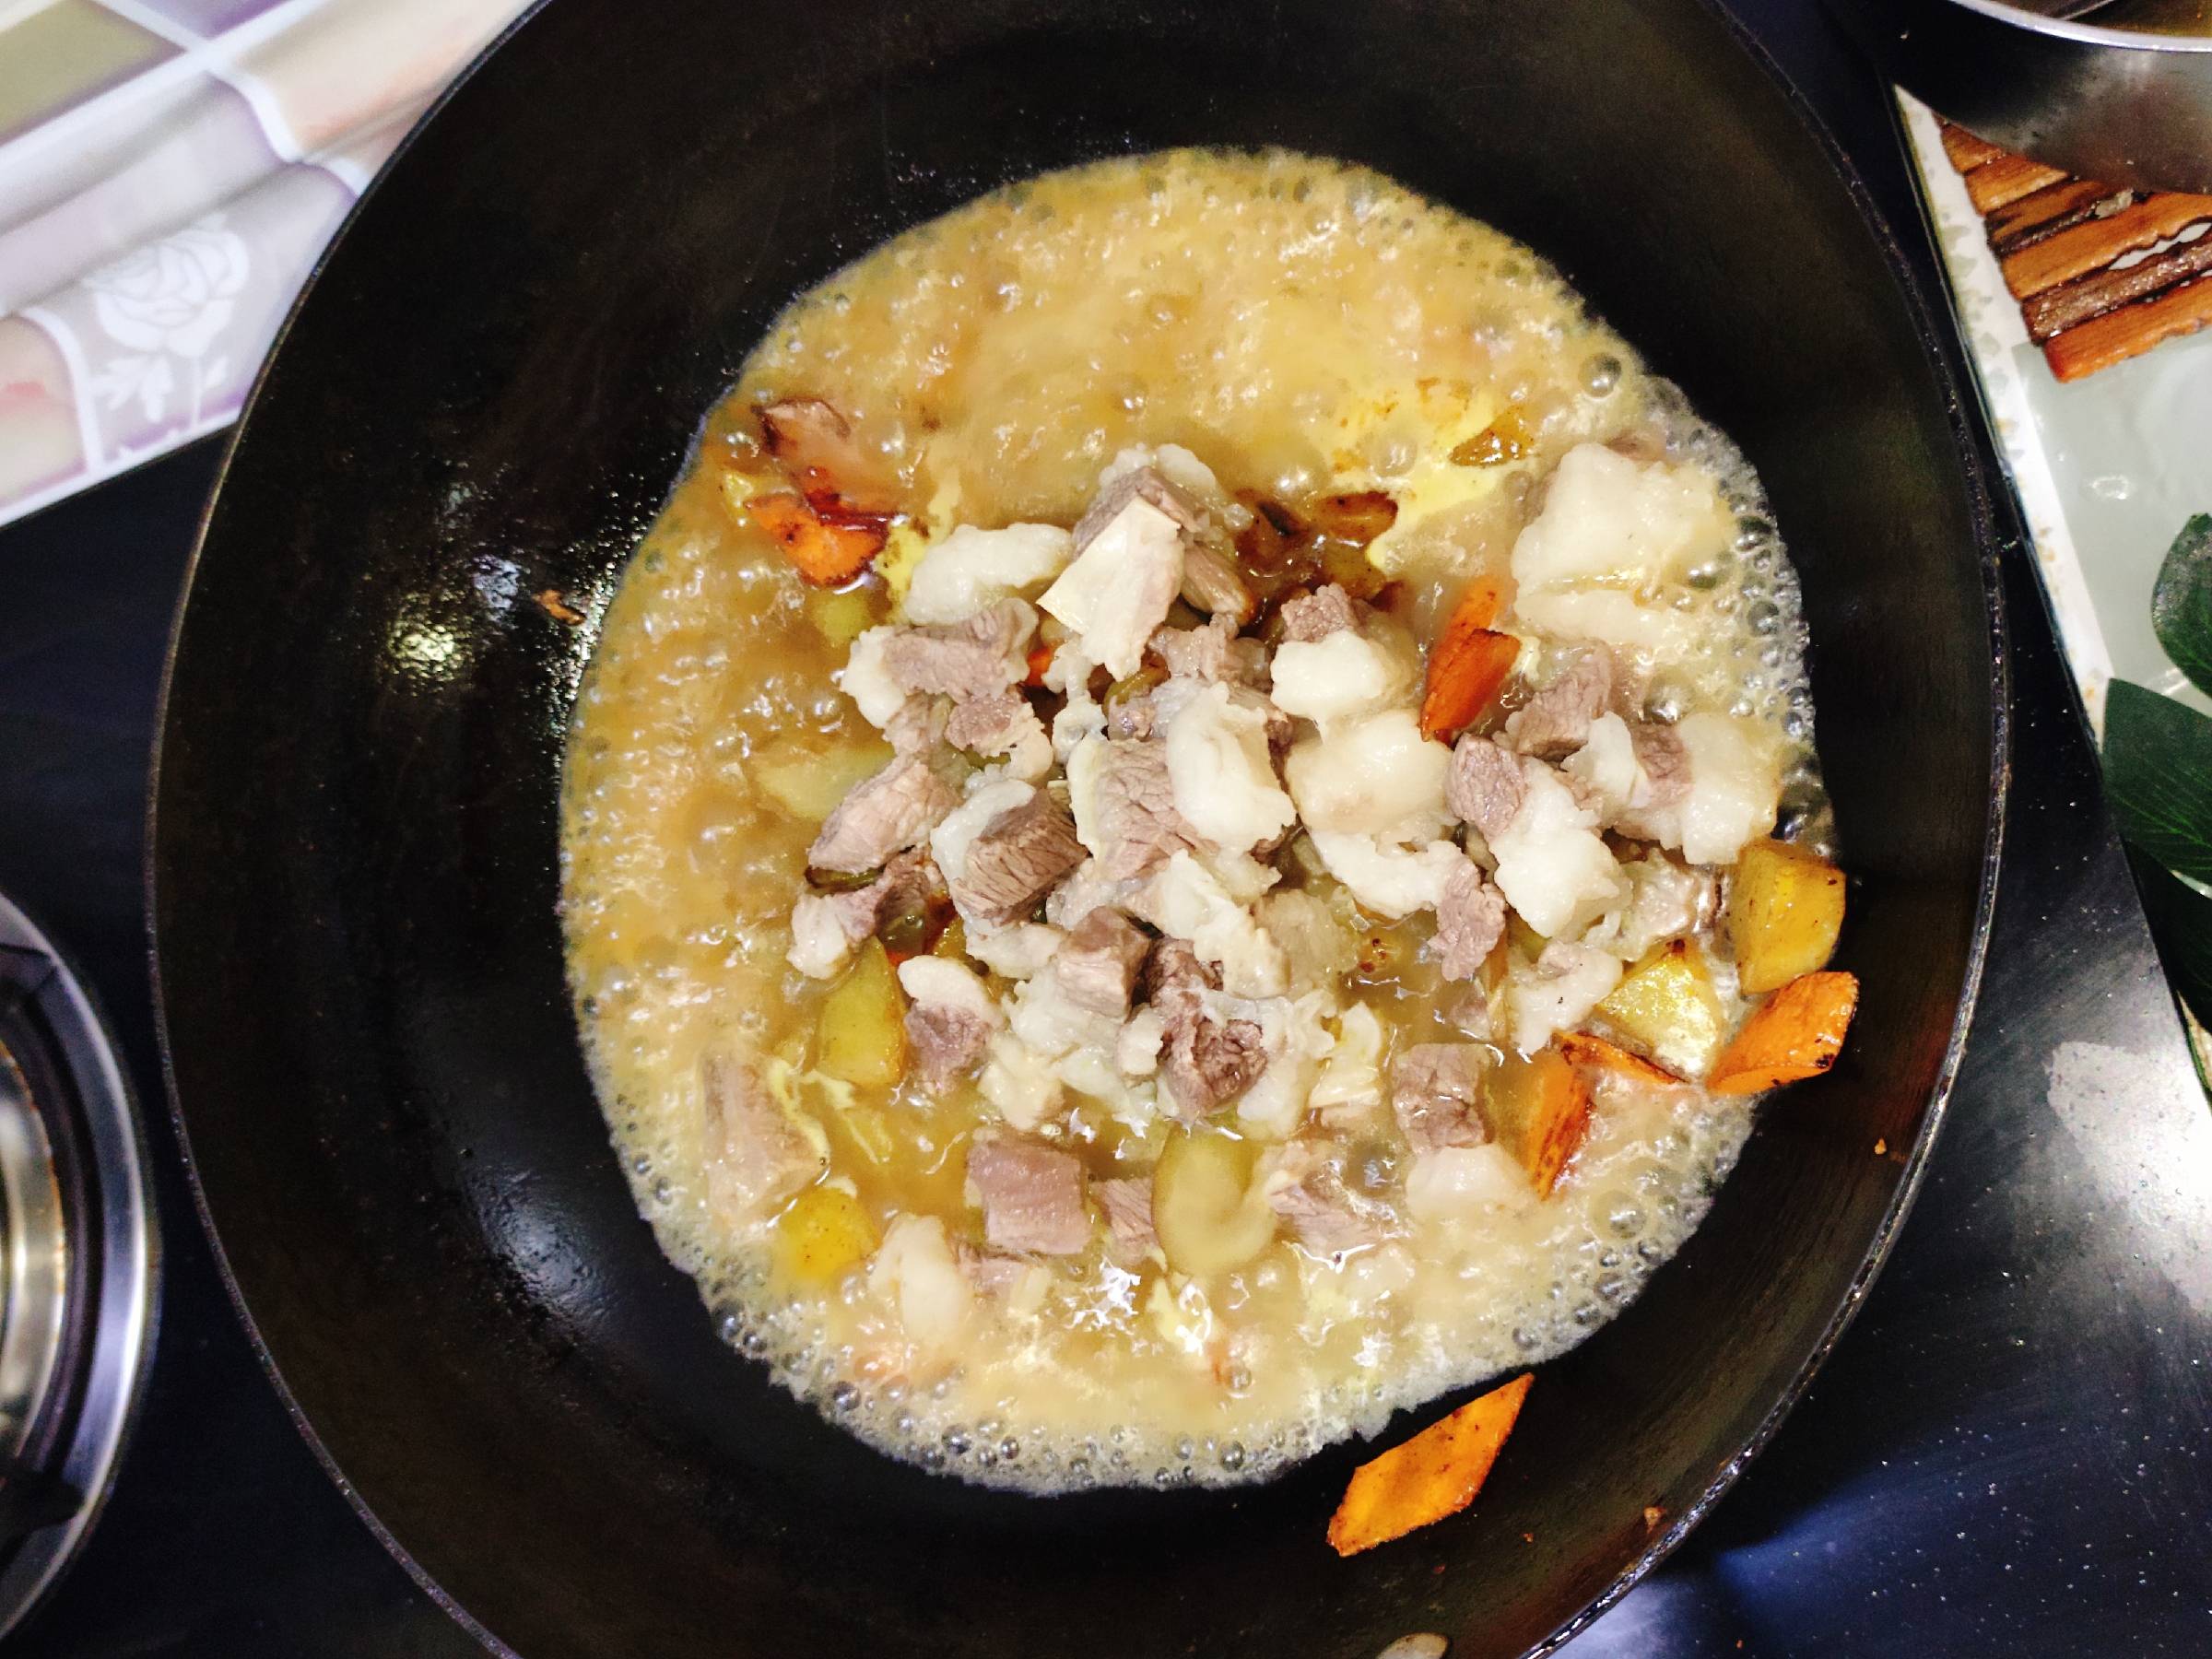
<point>2007,1452</point>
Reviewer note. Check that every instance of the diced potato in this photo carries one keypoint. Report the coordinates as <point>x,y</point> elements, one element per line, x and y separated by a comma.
<point>861,1037</point>
<point>1666,1005</point>
<point>841,615</point>
<point>808,783</point>
<point>1541,1105</point>
<point>1785,907</point>
<point>1435,1473</point>
<point>1796,1035</point>
<point>1209,1218</point>
<point>824,1234</point>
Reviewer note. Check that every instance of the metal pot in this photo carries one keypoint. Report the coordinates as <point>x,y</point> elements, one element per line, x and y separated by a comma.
<point>2119,105</point>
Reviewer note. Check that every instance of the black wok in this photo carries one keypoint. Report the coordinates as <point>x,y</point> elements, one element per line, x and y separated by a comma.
<point>486,395</point>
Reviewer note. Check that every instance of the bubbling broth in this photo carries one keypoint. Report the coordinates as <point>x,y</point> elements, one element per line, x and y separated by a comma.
<point>1144,844</point>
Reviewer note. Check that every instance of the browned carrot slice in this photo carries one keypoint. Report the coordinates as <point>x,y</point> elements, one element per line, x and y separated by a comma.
<point>1582,1048</point>
<point>2120,335</point>
<point>1542,1103</point>
<point>828,553</point>
<point>1435,1473</point>
<point>1795,1034</point>
<point>1468,664</point>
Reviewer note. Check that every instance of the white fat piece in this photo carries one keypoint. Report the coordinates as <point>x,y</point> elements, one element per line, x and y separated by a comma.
<point>1221,773</point>
<point>1376,775</point>
<point>1734,789</point>
<point>1019,951</point>
<point>865,679</point>
<point>915,1271</point>
<point>819,944</point>
<point>973,568</point>
<point>1553,866</point>
<point>949,841</point>
<point>1018,1081</point>
<point>1121,584</point>
<point>1389,880</point>
<point>1337,677</point>
<point>1186,901</point>
<point>1298,1040</point>
<point>1353,1077</point>
<point>938,982</point>
<point>1465,1181</point>
<point>1568,982</point>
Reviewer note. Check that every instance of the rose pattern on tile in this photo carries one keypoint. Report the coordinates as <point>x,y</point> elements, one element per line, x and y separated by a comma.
<point>166,305</point>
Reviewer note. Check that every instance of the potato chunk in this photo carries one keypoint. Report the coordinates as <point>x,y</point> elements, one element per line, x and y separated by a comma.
<point>823,1236</point>
<point>862,1031</point>
<point>809,783</point>
<point>1209,1216</point>
<point>1666,1005</point>
<point>1785,907</point>
<point>1435,1473</point>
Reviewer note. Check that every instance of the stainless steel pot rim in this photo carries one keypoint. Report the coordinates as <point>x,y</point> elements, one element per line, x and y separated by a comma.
<point>2088,34</point>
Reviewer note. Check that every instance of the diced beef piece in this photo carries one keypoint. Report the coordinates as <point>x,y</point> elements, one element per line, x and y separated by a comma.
<point>919,725</point>
<point>1127,1202</point>
<point>1084,891</point>
<point>892,811</point>
<point>1304,1184</point>
<point>985,654</point>
<point>1212,653</point>
<point>1139,827</point>
<point>1484,787</point>
<point>1016,859</point>
<point>1203,1061</point>
<point>947,1040</point>
<point>1663,759</point>
<point>1098,964</point>
<point>1212,582</point>
<point>1145,484</point>
<point>1316,615</point>
<point>949,1017</point>
<point>757,1155</point>
<point>1032,1197</point>
<point>1555,720</point>
<point>825,926</point>
<point>1003,722</point>
<point>1470,920</point>
<point>1004,1277</point>
<point>1435,1091</point>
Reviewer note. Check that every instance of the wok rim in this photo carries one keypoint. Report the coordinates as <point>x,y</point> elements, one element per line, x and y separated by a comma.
<point>1929,330</point>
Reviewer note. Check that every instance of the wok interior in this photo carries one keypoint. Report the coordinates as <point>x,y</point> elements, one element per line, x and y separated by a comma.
<point>486,398</point>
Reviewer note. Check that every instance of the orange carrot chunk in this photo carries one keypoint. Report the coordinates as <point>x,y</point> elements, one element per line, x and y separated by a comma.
<point>1542,1105</point>
<point>1467,665</point>
<point>1795,1034</point>
<point>828,553</point>
<point>1582,1048</point>
<point>1435,1473</point>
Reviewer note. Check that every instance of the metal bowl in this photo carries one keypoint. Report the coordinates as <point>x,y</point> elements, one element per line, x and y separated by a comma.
<point>2125,107</point>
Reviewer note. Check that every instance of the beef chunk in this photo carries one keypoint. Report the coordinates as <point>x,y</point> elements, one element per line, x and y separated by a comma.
<point>1470,919</point>
<point>1002,723</point>
<point>1145,484</point>
<point>1203,1061</point>
<point>1016,860</point>
<point>1435,1090</point>
<point>757,1155</point>
<point>975,658</point>
<point>1304,1184</point>
<point>1316,615</point>
<point>1484,787</point>
<point>1212,653</point>
<point>892,811</point>
<point>1556,721</point>
<point>919,725</point>
<point>1032,1197</point>
<point>1139,827</point>
<point>1098,962</point>
<point>949,1017</point>
<point>1127,1202</point>
<point>825,926</point>
<point>1212,583</point>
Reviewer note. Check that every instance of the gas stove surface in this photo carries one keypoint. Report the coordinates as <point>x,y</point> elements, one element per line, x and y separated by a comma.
<point>2007,1451</point>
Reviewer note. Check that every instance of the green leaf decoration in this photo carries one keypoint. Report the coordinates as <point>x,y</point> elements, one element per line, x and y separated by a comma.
<point>2180,925</point>
<point>2158,777</point>
<point>2181,606</point>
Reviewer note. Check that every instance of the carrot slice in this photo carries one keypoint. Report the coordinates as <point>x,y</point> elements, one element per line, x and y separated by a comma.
<point>828,552</point>
<point>1040,659</point>
<point>1543,1102</point>
<point>1582,1048</point>
<point>1795,1034</point>
<point>1435,1473</point>
<point>1467,665</point>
